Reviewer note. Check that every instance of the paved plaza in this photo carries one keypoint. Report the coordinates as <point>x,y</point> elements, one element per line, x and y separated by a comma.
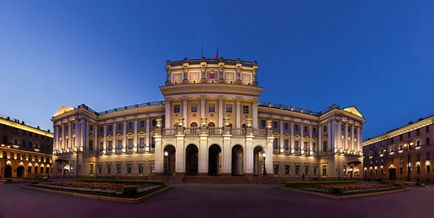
<point>203,200</point>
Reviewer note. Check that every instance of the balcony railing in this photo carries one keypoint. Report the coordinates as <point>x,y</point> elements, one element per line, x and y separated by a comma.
<point>214,131</point>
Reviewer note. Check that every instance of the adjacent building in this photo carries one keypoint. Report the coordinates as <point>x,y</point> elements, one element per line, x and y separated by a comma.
<point>210,122</point>
<point>401,154</point>
<point>25,151</point>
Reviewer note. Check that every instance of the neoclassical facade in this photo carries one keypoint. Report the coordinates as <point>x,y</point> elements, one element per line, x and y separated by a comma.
<point>210,123</point>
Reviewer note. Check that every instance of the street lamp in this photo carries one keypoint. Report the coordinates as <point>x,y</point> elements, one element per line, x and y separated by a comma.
<point>265,169</point>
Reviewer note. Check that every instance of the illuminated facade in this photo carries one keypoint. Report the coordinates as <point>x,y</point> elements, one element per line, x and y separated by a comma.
<point>401,154</point>
<point>210,123</point>
<point>25,151</point>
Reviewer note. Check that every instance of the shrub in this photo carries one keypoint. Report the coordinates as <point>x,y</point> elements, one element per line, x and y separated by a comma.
<point>129,190</point>
<point>313,183</point>
<point>336,191</point>
<point>126,182</point>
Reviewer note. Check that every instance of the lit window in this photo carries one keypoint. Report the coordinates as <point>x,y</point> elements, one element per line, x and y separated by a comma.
<point>194,108</point>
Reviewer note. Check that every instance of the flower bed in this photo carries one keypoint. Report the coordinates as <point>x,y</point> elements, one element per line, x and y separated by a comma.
<point>342,188</point>
<point>109,188</point>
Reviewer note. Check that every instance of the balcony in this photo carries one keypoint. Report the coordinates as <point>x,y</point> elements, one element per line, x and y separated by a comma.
<point>215,131</point>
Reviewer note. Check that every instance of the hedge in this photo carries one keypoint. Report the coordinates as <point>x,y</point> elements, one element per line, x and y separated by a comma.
<point>127,182</point>
<point>130,190</point>
<point>310,183</point>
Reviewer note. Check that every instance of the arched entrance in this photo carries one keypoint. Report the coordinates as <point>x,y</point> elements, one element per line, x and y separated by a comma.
<point>237,160</point>
<point>20,171</point>
<point>258,160</point>
<point>8,171</point>
<point>214,161</point>
<point>191,160</point>
<point>169,160</point>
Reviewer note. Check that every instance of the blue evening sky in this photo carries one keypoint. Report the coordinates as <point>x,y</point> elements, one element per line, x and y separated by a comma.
<point>376,55</point>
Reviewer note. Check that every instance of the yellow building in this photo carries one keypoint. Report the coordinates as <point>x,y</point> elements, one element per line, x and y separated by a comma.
<point>210,123</point>
<point>25,151</point>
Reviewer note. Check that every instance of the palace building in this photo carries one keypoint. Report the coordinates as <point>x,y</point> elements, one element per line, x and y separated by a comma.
<point>210,123</point>
<point>401,154</point>
<point>25,151</point>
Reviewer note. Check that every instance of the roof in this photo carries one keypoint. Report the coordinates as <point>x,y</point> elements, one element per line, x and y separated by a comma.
<point>21,125</point>
<point>212,61</point>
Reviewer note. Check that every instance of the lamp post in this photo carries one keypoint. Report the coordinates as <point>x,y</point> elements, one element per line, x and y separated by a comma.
<point>166,160</point>
<point>265,169</point>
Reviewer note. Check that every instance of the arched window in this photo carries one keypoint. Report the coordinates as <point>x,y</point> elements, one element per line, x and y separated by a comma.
<point>211,75</point>
<point>193,125</point>
<point>211,124</point>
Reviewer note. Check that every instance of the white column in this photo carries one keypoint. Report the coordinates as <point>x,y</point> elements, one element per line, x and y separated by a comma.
<point>124,138</point>
<point>352,138</point>
<point>281,139</point>
<point>77,131</point>
<point>291,146</point>
<point>203,154</point>
<point>95,138</point>
<point>168,122</point>
<point>319,148</point>
<point>238,122</point>
<point>202,106</point>
<point>255,114</point>
<point>346,136</point>
<point>180,156</point>
<point>269,155</point>
<point>69,135</point>
<point>114,142</point>
<point>249,155</point>
<point>302,138</point>
<point>184,112</point>
<point>227,154</point>
<point>310,140</point>
<point>83,135</point>
<point>135,143</point>
<point>56,139</point>
<point>105,139</point>
<point>159,158</point>
<point>329,137</point>
<point>63,137</point>
<point>148,138</point>
<point>339,135</point>
<point>359,140</point>
<point>333,136</point>
<point>220,124</point>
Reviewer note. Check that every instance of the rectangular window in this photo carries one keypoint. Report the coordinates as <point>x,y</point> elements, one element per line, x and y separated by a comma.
<point>109,169</point>
<point>324,170</point>
<point>324,146</point>
<point>275,144</point>
<point>275,124</point>
<point>99,169</point>
<point>130,127</point>
<point>296,127</point>
<point>119,129</point>
<point>101,146</point>
<point>129,168</point>
<point>286,126</point>
<point>118,168</point>
<point>297,170</point>
<point>314,170</point>
<point>176,108</point>
<point>287,170</point>
<point>141,168</point>
<point>427,129</point>
<point>193,108</point>
<point>428,168</point>
<point>229,108</point>
<point>246,109</point>
<point>417,132</point>
<point>142,124</point>
<point>130,144</point>
<point>211,108</point>
<point>296,145</point>
<point>110,146</point>
<point>119,145</point>
<point>276,169</point>
<point>306,170</point>
<point>263,123</point>
<point>286,144</point>
<point>142,142</point>
<point>91,168</point>
<point>428,142</point>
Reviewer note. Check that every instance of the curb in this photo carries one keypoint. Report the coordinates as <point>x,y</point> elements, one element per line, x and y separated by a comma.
<point>345,196</point>
<point>100,197</point>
